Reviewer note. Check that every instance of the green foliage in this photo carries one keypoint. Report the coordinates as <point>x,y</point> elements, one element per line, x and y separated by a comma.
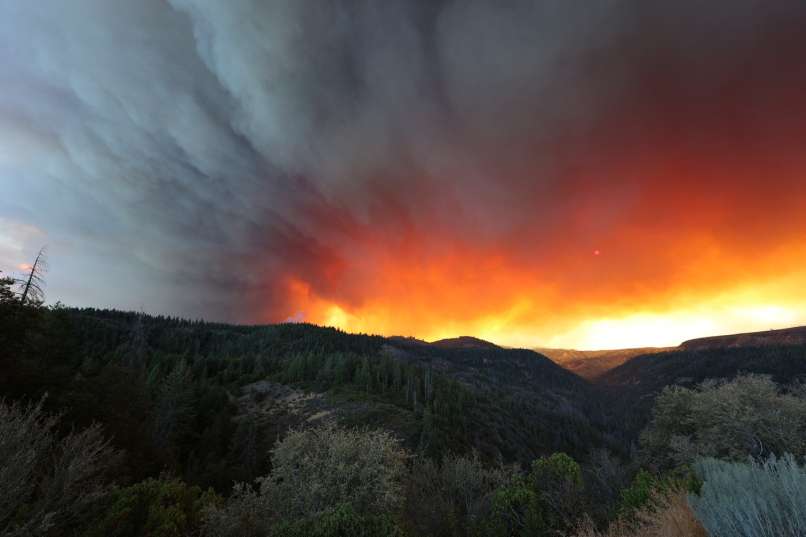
<point>245,514</point>
<point>638,381</point>
<point>605,477</point>
<point>181,376</point>
<point>464,497</point>
<point>516,510</point>
<point>639,493</point>
<point>341,521</point>
<point>48,483</point>
<point>153,508</point>
<point>167,390</point>
<point>7,294</point>
<point>646,488</point>
<point>316,470</point>
<point>752,499</point>
<point>452,498</point>
<point>748,416</point>
<point>557,470</point>
<point>557,480</point>
<point>325,482</point>
<point>174,405</point>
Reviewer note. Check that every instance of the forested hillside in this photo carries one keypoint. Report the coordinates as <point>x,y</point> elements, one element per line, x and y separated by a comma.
<point>633,386</point>
<point>176,427</point>
<point>169,389</point>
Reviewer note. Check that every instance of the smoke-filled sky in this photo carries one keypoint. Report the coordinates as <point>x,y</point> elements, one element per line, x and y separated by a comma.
<point>537,173</point>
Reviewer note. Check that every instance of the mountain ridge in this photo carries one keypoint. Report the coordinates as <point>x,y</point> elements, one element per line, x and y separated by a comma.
<point>783,336</point>
<point>594,364</point>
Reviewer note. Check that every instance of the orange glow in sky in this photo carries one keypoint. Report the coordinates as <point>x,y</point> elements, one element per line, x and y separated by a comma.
<point>518,312</point>
<point>651,253</point>
<point>680,215</point>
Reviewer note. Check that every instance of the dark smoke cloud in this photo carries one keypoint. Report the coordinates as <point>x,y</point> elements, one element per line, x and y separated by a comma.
<point>189,155</point>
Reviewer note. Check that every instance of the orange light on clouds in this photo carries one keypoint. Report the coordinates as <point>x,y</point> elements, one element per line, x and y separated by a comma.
<point>726,255</point>
<point>672,222</point>
<point>447,298</point>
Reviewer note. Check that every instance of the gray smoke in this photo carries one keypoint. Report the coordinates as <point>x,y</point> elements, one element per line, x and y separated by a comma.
<point>182,156</point>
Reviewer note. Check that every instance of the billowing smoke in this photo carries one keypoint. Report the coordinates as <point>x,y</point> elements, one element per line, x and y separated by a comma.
<point>394,165</point>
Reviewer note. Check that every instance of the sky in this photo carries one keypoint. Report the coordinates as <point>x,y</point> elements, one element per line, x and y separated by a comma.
<point>537,173</point>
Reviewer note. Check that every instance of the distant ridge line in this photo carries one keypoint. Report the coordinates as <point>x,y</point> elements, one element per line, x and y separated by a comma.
<point>782,336</point>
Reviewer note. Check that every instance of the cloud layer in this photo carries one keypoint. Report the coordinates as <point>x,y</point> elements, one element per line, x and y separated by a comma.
<point>420,167</point>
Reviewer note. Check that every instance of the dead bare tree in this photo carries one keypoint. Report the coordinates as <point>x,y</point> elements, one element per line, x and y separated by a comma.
<point>33,285</point>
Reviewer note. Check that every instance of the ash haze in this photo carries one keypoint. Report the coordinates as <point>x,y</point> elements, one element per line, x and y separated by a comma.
<point>560,174</point>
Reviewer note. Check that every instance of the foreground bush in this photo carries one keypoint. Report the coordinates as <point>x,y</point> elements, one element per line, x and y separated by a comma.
<point>748,416</point>
<point>325,482</point>
<point>461,497</point>
<point>546,502</point>
<point>153,508</point>
<point>755,499</point>
<point>647,488</point>
<point>452,498</point>
<point>316,470</point>
<point>47,482</point>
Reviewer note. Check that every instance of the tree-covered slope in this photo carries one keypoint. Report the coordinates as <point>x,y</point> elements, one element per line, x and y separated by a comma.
<point>180,395</point>
<point>632,387</point>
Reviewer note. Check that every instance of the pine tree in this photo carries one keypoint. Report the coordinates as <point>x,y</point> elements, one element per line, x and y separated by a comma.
<point>174,407</point>
<point>7,294</point>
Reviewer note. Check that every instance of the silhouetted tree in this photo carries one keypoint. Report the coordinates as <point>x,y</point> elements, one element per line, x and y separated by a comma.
<point>7,294</point>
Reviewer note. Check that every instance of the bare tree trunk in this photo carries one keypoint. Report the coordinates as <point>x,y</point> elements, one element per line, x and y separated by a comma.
<point>33,282</point>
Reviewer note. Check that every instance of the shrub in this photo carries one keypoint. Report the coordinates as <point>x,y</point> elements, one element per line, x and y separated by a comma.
<point>462,497</point>
<point>605,476</point>
<point>245,514</point>
<point>342,521</point>
<point>454,497</point>
<point>647,488</point>
<point>754,499</point>
<point>153,508</point>
<point>748,416</point>
<point>316,470</point>
<point>47,482</point>
<point>558,481</point>
<point>325,482</point>
<point>639,493</point>
<point>666,515</point>
<point>516,510</point>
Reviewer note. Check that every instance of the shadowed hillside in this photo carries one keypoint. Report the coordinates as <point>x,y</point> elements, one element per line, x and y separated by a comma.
<point>633,385</point>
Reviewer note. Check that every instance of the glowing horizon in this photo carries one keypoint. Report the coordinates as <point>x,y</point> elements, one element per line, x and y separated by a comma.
<point>654,262</point>
<point>729,313</point>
